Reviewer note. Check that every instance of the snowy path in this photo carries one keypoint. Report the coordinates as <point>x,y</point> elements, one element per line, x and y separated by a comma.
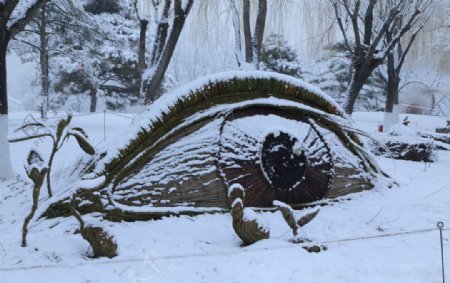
<point>243,250</point>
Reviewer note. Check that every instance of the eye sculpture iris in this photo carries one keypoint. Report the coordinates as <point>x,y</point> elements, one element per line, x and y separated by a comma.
<point>283,168</point>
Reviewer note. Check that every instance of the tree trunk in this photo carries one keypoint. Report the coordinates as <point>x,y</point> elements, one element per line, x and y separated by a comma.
<point>237,34</point>
<point>393,83</point>
<point>259,30</point>
<point>247,32</point>
<point>3,80</point>
<point>141,52</point>
<point>43,61</point>
<point>161,34</point>
<point>5,160</point>
<point>50,163</point>
<point>361,71</point>
<point>354,88</point>
<point>393,79</point>
<point>143,24</point>
<point>93,95</point>
<point>180,16</point>
<point>391,113</point>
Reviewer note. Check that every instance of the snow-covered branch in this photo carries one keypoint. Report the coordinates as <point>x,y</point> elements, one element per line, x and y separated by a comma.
<point>20,13</point>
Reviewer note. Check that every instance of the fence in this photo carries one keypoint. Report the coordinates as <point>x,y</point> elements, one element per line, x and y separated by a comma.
<point>224,253</point>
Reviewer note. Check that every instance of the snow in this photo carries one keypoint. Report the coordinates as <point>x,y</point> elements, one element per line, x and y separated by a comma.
<point>21,75</point>
<point>402,130</point>
<point>369,121</point>
<point>172,210</point>
<point>205,248</point>
<point>20,11</point>
<point>165,103</point>
<point>250,215</point>
<point>90,184</point>
<point>237,201</point>
<point>281,204</point>
<point>187,158</point>
<point>5,165</point>
<point>257,127</point>
<point>391,118</point>
<point>233,187</point>
<point>144,10</point>
<point>36,162</point>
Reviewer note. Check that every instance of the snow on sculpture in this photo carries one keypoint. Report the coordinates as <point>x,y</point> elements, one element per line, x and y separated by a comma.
<point>278,137</point>
<point>246,223</point>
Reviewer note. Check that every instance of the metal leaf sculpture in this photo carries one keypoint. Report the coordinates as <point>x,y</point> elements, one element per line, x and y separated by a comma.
<point>36,171</point>
<point>291,216</point>
<point>246,223</point>
<point>58,135</point>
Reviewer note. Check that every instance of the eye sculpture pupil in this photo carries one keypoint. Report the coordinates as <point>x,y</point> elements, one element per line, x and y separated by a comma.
<point>283,168</point>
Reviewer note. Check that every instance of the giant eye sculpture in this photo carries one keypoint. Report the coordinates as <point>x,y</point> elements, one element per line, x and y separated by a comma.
<point>278,137</point>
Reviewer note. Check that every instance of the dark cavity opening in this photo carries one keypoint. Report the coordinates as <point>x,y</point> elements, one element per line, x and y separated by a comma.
<point>283,168</point>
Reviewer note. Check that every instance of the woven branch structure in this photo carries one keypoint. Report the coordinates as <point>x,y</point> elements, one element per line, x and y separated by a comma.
<point>278,137</point>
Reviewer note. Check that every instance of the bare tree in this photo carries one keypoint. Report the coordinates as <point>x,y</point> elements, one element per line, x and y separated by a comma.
<point>376,29</point>
<point>14,16</point>
<point>252,42</point>
<point>395,61</point>
<point>143,10</point>
<point>237,33</point>
<point>43,60</point>
<point>247,31</point>
<point>166,39</point>
<point>260,26</point>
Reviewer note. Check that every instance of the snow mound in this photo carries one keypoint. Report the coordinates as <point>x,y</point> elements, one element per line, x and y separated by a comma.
<point>399,130</point>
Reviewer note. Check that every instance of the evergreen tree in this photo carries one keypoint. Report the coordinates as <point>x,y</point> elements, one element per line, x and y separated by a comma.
<point>333,73</point>
<point>90,55</point>
<point>97,7</point>
<point>278,57</point>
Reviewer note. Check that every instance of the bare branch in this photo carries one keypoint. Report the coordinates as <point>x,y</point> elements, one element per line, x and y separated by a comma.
<point>368,22</point>
<point>393,14</point>
<point>29,44</point>
<point>237,32</point>
<point>399,35</point>
<point>341,25</point>
<point>354,20</point>
<point>413,37</point>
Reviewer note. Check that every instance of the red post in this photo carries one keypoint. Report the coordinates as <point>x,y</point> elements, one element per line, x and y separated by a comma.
<point>380,128</point>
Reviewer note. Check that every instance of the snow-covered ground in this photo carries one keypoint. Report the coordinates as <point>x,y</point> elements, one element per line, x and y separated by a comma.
<point>21,77</point>
<point>205,248</point>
